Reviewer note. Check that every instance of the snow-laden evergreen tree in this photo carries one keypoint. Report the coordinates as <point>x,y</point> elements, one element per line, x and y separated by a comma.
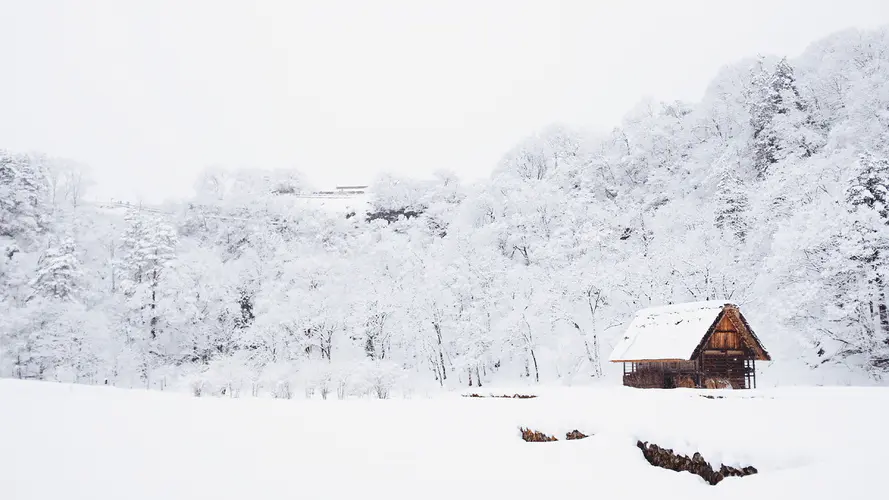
<point>798,131</point>
<point>148,249</point>
<point>783,124</point>
<point>870,187</point>
<point>58,272</point>
<point>8,266</point>
<point>731,205</point>
<point>868,190</point>
<point>762,108</point>
<point>23,196</point>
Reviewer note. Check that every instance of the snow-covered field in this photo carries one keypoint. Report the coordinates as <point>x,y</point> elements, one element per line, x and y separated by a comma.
<point>78,442</point>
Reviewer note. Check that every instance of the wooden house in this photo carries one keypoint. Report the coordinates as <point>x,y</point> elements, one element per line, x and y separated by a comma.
<point>699,344</point>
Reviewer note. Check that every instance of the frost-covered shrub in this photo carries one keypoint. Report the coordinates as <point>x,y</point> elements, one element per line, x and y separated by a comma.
<point>340,377</point>
<point>317,375</point>
<point>228,375</point>
<point>200,387</point>
<point>282,378</point>
<point>282,390</point>
<point>342,388</point>
<point>324,387</point>
<point>380,377</point>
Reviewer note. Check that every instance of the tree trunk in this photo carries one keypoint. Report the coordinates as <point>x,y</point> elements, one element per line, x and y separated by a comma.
<point>597,366</point>
<point>369,348</point>
<point>153,320</point>
<point>594,306</point>
<point>438,376</point>
<point>436,370</point>
<point>586,347</point>
<point>437,327</point>
<point>326,343</point>
<point>536,371</point>
<point>884,318</point>
<point>111,269</point>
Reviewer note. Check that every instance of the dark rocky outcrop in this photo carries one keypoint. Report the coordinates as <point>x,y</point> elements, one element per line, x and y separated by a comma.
<point>727,471</point>
<point>575,434</point>
<point>665,458</point>
<point>538,437</point>
<point>535,436</point>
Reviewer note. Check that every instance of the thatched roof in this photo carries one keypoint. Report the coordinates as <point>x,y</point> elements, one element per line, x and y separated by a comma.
<point>678,332</point>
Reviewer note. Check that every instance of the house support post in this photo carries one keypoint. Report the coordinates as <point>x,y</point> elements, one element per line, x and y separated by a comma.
<point>753,366</point>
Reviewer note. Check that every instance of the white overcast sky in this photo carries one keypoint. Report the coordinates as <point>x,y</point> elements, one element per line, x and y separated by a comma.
<point>149,92</point>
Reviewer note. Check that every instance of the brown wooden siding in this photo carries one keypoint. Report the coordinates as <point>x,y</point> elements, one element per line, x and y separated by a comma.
<point>725,340</point>
<point>667,366</point>
<point>725,335</point>
<point>725,324</point>
<point>645,380</point>
<point>661,374</point>
<point>723,365</point>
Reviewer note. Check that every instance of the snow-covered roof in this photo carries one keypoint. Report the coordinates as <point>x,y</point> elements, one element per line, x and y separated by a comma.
<point>667,332</point>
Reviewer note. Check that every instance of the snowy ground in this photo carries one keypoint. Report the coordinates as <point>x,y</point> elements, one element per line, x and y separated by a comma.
<point>77,442</point>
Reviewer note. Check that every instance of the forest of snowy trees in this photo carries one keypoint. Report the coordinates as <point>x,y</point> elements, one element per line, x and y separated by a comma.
<point>770,192</point>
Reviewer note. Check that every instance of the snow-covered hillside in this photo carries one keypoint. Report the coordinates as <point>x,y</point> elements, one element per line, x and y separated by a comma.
<point>77,442</point>
<point>769,192</point>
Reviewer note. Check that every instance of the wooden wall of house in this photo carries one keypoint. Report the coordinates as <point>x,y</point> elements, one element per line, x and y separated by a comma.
<point>662,374</point>
<point>669,366</point>
<point>670,374</point>
<point>645,379</point>
<point>725,336</point>
<point>725,351</point>
<point>727,366</point>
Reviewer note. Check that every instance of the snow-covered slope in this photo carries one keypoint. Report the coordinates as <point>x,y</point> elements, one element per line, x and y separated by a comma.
<point>770,192</point>
<point>78,442</point>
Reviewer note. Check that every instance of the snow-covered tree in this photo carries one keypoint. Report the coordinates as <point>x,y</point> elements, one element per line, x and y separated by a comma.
<point>23,196</point>
<point>731,205</point>
<point>870,187</point>
<point>148,250</point>
<point>783,124</point>
<point>58,271</point>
